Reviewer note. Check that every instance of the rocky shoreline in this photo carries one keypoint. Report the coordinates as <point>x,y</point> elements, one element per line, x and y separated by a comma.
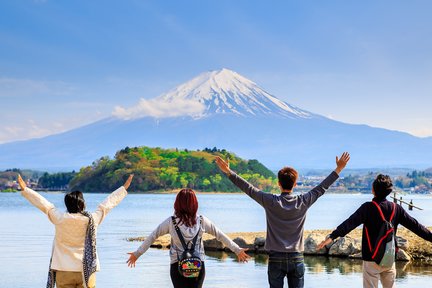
<point>411,247</point>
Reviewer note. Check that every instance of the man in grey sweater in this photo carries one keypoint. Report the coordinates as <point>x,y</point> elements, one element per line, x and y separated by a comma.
<point>286,214</point>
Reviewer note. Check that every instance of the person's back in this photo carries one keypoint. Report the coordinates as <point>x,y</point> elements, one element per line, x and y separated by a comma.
<point>190,225</point>
<point>70,233</point>
<point>285,216</point>
<point>74,258</point>
<point>369,214</point>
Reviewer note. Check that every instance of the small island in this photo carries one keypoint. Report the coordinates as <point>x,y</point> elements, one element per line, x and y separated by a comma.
<point>159,170</point>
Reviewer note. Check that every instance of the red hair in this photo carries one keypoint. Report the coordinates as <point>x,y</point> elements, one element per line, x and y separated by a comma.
<point>186,207</point>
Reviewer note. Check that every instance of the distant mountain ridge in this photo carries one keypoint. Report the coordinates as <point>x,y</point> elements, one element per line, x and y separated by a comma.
<point>226,110</point>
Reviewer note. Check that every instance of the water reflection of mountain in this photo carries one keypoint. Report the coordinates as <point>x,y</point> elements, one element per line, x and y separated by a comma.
<point>332,265</point>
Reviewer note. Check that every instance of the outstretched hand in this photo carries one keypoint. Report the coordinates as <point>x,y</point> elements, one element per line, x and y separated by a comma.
<point>21,183</point>
<point>324,243</point>
<point>223,166</point>
<point>131,261</point>
<point>242,256</point>
<point>342,162</point>
<point>128,181</point>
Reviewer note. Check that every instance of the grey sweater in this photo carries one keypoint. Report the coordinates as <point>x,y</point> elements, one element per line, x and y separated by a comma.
<point>285,213</point>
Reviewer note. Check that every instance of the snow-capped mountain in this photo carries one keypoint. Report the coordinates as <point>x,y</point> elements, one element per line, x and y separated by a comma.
<point>226,110</point>
<point>215,92</point>
<point>225,91</point>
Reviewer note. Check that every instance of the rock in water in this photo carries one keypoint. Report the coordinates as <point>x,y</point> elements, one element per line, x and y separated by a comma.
<point>345,246</point>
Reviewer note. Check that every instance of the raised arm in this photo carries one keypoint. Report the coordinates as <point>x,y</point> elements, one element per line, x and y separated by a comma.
<point>259,196</point>
<point>161,230</point>
<point>111,201</point>
<point>39,201</point>
<point>310,197</point>
<point>210,228</point>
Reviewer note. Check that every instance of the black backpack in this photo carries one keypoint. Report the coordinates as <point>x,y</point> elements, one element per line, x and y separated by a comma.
<point>189,263</point>
<point>384,251</point>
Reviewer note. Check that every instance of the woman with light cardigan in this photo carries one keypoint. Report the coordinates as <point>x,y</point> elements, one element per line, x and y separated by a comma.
<point>190,224</point>
<point>74,260</point>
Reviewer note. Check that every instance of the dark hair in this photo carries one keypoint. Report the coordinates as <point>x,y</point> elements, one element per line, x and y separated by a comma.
<point>382,186</point>
<point>287,178</point>
<point>186,207</point>
<point>75,202</point>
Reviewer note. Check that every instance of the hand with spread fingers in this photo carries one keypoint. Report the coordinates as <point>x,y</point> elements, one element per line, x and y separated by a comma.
<point>242,256</point>
<point>223,166</point>
<point>21,182</point>
<point>132,260</point>
<point>342,162</point>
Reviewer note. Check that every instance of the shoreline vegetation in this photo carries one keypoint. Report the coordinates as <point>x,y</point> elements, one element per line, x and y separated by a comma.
<point>161,192</point>
<point>411,247</point>
<point>159,170</point>
<point>9,190</point>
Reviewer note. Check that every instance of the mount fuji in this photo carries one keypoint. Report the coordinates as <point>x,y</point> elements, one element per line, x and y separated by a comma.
<point>223,109</point>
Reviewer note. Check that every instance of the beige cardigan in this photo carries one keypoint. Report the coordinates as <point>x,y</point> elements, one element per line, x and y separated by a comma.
<point>70,228</point>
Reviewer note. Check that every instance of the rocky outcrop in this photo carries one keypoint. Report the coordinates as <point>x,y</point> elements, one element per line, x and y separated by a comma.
<point>311,242</point>
<point>411,247</point>
<point>345,247</point>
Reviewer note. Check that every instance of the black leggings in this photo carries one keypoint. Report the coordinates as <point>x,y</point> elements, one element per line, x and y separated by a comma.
<point>182,282</point>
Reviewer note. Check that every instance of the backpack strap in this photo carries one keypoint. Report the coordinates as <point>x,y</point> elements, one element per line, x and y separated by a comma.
<point>382,214</point>
<point>180,235</point>
<point>368,239</point>
<point>388,232</point>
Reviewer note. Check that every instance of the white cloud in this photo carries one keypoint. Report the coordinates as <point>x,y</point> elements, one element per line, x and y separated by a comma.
<point>159,108</point>
<point>29,130</point>
<point>422,132</point>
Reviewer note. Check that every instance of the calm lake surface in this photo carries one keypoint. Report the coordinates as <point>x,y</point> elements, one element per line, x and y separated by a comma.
<point>26,238</point>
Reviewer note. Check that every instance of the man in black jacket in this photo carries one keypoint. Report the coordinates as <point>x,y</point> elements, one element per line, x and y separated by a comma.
<point>369,215</point>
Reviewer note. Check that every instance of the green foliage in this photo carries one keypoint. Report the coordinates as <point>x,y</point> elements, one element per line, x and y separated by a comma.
<point>9,190</point>
<point>168,169</point>
<point>58,181</point>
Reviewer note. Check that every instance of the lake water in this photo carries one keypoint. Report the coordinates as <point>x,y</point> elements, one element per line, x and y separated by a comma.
<point>26,237</point>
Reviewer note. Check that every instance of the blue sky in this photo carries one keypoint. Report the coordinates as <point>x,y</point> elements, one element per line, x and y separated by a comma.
<point>64,64</point>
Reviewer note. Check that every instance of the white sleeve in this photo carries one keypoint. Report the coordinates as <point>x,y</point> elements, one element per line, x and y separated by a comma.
<point>210,228</point>
<point>42,204</point>
<point>109,203</point>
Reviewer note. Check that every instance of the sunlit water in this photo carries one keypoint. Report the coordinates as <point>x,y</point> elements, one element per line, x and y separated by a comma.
<point>26,237</point>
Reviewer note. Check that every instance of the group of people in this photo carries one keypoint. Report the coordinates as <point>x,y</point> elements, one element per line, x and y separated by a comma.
<point>74,259</point>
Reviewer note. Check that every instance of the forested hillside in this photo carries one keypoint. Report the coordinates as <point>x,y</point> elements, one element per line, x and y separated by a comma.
<point>158,169</point>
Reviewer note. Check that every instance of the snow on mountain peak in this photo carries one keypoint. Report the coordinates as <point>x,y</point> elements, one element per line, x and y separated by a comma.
<point>215,92</point>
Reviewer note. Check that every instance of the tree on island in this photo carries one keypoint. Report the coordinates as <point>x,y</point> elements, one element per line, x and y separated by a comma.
<point>169,169</point>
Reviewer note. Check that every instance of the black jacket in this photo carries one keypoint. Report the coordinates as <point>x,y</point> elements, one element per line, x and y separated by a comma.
<point>369,216</point>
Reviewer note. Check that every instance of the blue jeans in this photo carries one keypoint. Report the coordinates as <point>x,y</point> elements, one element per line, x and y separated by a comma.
<point>283,264</point>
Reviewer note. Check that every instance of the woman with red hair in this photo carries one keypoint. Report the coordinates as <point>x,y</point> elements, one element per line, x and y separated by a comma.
<point>186,227</point>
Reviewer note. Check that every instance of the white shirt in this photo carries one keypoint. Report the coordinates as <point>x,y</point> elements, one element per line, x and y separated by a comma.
<point>70,228</point>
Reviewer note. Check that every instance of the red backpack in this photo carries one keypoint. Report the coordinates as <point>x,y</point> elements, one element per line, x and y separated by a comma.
<point>384,250</point>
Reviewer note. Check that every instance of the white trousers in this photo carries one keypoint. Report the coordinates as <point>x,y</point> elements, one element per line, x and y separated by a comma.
<point>372,273</point>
